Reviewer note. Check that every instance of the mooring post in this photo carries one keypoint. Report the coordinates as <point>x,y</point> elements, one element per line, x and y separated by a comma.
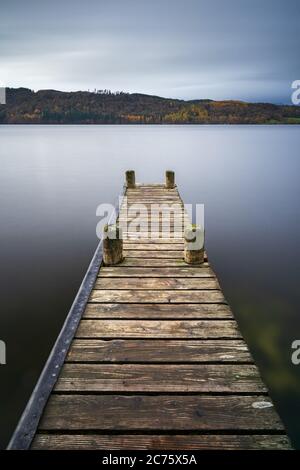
<point>112,245</point>
<point>170,179</point>
<point>130,179</point>
<point>194,244</point>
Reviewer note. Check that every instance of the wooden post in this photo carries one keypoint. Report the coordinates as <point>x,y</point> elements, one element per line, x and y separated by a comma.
<point>194,244</point>
<point>170,179</point>
<point>112,245</point>
<point>130,179</point>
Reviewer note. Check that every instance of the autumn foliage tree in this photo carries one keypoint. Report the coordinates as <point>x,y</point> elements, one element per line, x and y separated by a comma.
<point>25,106</point>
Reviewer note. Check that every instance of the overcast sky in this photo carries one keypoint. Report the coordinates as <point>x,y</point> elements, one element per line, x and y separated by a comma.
<point>218,49</point>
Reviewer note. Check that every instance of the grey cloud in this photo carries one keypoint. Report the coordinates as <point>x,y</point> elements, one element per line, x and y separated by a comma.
<point>191,49</point>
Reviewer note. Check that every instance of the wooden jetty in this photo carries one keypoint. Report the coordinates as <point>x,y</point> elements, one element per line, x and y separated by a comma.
<point>150,357</point>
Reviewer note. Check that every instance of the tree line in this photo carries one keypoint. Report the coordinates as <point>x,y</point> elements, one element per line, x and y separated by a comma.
<point>24,106</point>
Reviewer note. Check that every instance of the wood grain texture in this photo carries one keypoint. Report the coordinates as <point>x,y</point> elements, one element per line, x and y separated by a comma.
<point>154,296</point>
<point>151,240</point>
<point>150,200</point>
<point>160,442</point>
<point>158,311</point>
<point>157,329</point>
<point>145,213</point>
<point>142,273</point>
<point>169,378</point>
<point>158,351</point>
<point>156,204</point>
<point>178,254</point>
<point>152,237</point>
<point>157,263</point>
<point>153,246</point>
<point>156,198</point>
<point>157,284</point>
<point>160,412</point>
<point>152,212</point>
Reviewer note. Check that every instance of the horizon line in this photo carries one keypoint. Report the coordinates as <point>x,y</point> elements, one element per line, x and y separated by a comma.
<point>116,92</point>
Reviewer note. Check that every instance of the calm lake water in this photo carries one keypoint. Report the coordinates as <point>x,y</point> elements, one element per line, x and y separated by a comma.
<point>52,178</point>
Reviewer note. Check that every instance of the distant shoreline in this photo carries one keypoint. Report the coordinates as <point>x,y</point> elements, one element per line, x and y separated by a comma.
<point>149,125</point>
<point>24,106</point>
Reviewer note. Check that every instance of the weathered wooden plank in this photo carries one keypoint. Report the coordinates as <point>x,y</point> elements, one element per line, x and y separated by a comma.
<point>159,262</point>
<point>155,208</point>
<point>135,204</point>
<point>161,442</point>
<point>159,198</point>
<point>148,217</point>
<point>153,254</point>
<point>157,237</point>
<point>157,311</point>
<point>143,186</point>
<point>152,199</point>
<point>208,378</point>
<point>161,205</point>
<point>159,195</point>
<point>159,351</point>
<point>161,221</point>
<point>139,272</point>
<point>148,211</point>
<point>152,188</point>
<point>150,241</point>
<point>159,191</point>
<point>144,189</point>
<point>118,412</point>
<point>148,208</point>
<point>153,226</point>
<point>151,185</point>
<point>140,195</point>
<point>156,254</point>
<point>151,215</point>
<point>154,296</point>
<point>153,246</point>
<point>156,283</point>
<point>155,234</point>
<point>168,229</point>
<point>145,213</point>
<point>154,203</point>
<point>157,329</point>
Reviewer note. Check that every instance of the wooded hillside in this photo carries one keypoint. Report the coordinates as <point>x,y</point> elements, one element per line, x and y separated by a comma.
<point>25,106</point>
